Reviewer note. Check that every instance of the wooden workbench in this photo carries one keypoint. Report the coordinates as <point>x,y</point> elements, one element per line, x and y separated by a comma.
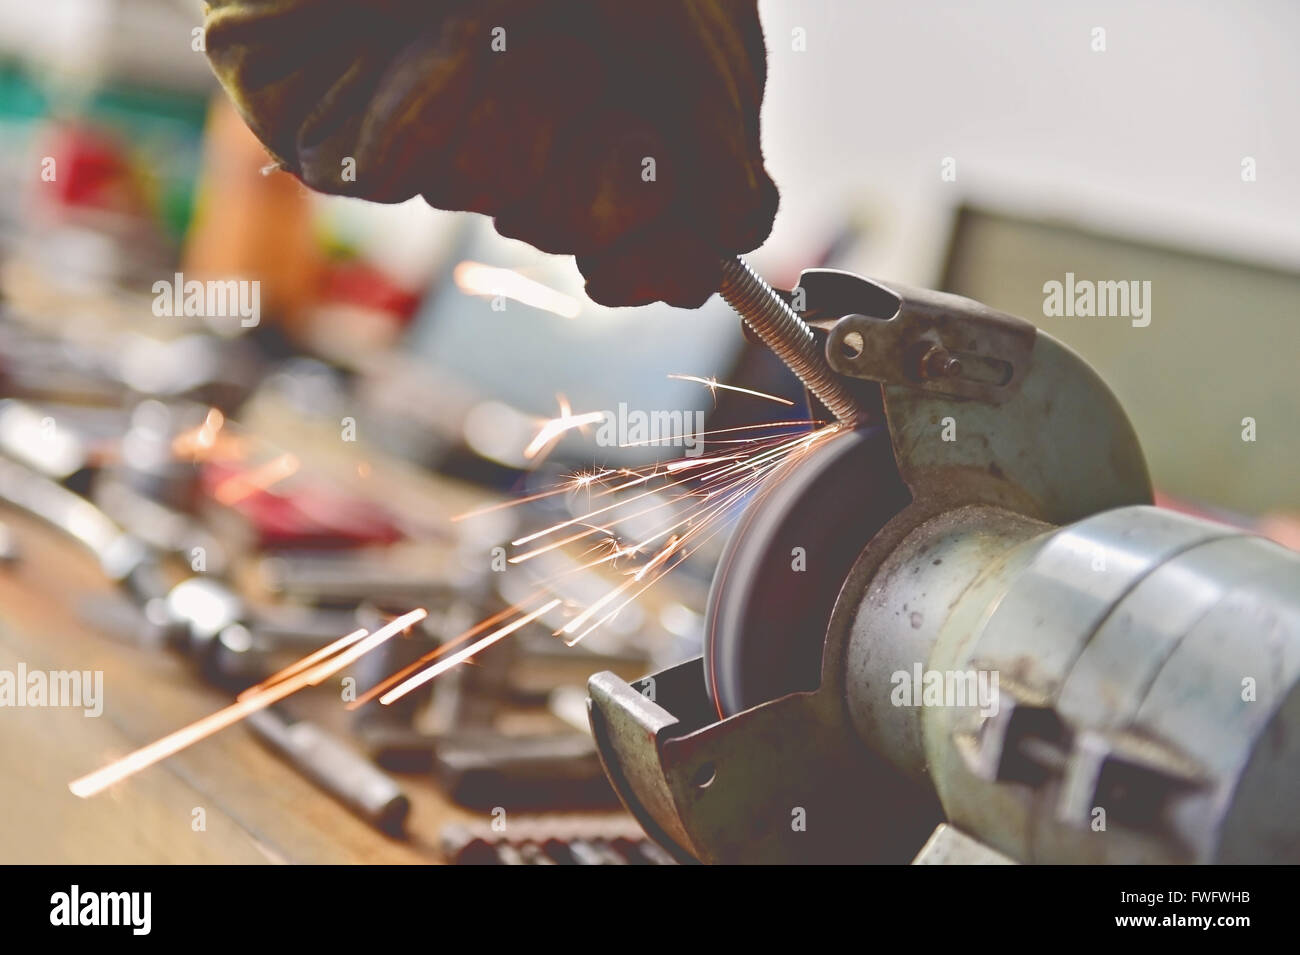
<point>257,808</point>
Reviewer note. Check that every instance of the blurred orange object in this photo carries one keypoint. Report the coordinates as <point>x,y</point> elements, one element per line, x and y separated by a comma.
<point>1283,528</point>
<point>1278,526</point>
<point>250,225</point>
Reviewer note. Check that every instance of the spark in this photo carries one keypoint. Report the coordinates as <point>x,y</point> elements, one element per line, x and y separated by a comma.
<point>587,614</point>
<point>312,658</point>
<point>798,423</point>
<point>739,461</point>
<point>591,529</point>
<point>576,482</point>
<point>460,656</point>
<point>608,544</point>
<point>240,486</point>
<point>555,545</point>
<point>580,619</point>
<point>476,278</point>
<point>709,490</point>
<point>734,475</point>
<point>672,467</point>
<point>695,496</point>
<point>584,519</point>
<point>554,429</point>
<point>451,644</point>
<point>713,385</point>
<point>348,650</point>
<point>619,609</point>
<point>208,440</point>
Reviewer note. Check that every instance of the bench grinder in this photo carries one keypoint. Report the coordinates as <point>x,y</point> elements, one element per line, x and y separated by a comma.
<point>987,523</point>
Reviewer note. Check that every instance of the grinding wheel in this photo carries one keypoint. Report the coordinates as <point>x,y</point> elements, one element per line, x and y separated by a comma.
<point>783,567</point>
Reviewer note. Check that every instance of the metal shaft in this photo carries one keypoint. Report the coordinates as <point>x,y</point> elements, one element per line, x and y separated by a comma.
<point>787,335</point>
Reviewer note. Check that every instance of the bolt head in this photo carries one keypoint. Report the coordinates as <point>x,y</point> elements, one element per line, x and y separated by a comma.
<point>938,362</point>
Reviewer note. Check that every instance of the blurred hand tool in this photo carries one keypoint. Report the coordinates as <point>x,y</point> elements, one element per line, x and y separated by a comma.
<point>205,618</point>
<point>484,769</point>
<point>551,840</point>
<point>335,767</point>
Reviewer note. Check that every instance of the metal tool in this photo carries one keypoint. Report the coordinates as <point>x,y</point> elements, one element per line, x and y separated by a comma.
<point>323,758</point>
<point>1147,664</point>
<point>484,768</point>
<point>347,579</point>
<point>206,620</point>
<point>551,840</point>
<point>773,320</point>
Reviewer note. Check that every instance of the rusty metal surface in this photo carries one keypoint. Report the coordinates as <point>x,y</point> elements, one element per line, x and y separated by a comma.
<point>781,782</point>
<point>1124,644</point>
<point>931,341</point>
<point>1059,449</point>
<point>628,726</point>
<point>1047,438</point>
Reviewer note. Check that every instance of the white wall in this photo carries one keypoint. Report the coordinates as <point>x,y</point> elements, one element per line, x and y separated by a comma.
<point>80,41</point>
<point>1146,137</point>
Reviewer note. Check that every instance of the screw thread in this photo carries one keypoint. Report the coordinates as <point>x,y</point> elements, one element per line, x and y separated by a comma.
<point>788,335</point>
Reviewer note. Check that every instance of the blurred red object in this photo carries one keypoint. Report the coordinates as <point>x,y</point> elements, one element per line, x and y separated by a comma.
<point>305,515</point>
<point>361,284</point>
<point>93,171</point>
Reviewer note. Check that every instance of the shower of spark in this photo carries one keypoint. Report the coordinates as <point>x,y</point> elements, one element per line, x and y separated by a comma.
<point>695,496</point>
<point>691,500</point>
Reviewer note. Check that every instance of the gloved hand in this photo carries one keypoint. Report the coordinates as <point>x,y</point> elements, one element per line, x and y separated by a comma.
<point>625,133</point>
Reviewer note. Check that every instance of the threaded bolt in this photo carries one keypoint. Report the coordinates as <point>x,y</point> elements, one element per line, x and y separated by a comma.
<point>788,335</point>
<point>938,362</point>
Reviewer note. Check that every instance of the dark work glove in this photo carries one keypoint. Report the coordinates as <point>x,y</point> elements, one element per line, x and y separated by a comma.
<point>625,133</point>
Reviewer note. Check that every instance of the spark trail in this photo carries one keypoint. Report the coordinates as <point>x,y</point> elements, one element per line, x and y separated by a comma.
<point>688,501</point>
